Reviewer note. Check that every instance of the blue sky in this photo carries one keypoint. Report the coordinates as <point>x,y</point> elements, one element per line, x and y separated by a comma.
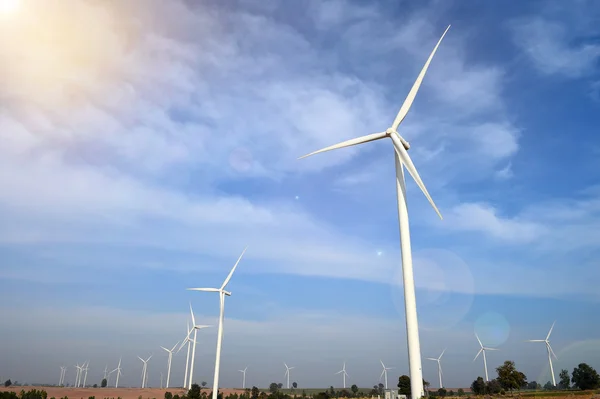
<point>145,144</point>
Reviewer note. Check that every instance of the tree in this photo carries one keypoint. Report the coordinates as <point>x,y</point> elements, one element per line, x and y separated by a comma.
<point>273,387</point>
<point>354,389</point>
<point>460,392</point>
<point>442,392</point>
<point>450,393</point>
<point>280,385</point>
<point>564,379</point>
<point>103,383</point>
<point>533,385</point>
<point>255,392</point>
<point>380,388</point>
<point>294,385</point>
<point>7,383</point>
<point>203,384</point>
<point>509,377</point>
<point>548,386</point>
<point>478,386</point>
<point>585,377</point>
<point>404,385</point>
<point>168,395</point>
<point>194,392</point>
<point>493,387</point>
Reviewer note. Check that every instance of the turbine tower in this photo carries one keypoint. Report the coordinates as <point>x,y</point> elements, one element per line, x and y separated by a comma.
<point>222,294</point>
<point>244,377</point>
<point>440,366</point>
<point>549,350</point>
<point>144,370</point>
<point>482,350</point>
<point>384,373</point>
<point>195,328</point>
<point>118,370</point>
<point>187,359</point>
<point>169,363</point>
<point>344,374</point>
<point>402,160</point>
<point>287,374</point>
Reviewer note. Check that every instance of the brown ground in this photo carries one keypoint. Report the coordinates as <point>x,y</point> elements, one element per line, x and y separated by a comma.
<point>100,393</point>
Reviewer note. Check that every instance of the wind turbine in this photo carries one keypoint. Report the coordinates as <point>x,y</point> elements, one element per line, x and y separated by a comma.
<point>77,374</point>
<point>187,341</point>
<point>384,373</point>
<point>343,370</point>
<point>482,350</point>
<point>549,350</point>
<point>105,371</point>
<point>222,294</point>
<point>195,328</point>
<point>402,160</point>
<point>62,376</point>
<point>244,378</point>
<point>86,371</point>
<point>287,373</point>
<point>169,362</point>
<point>144,370</point>
<point>440,366</point>
<point>118,370</point>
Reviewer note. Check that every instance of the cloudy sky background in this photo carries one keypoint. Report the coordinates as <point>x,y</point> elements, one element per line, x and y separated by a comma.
<point>144,144</point>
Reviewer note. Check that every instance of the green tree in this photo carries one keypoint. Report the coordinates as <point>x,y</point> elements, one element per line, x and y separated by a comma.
<point>7,383</point>
<point>194,392</point>
<point>548,386</point>
<point>460,392</point>
<point>168,395</point>
<point>294,385</point>
<point>585,377</point>
<point>404,385</point>
<point>254,392</point>
<point>354,389</point>
<point>280,385</point>
<point>493,387</point>
<point>450,393</point>
<point>509,377</point>
<point>564,379</point>
<point>478,386</point>
<point>203,384</point>
<point>273,387</point>
<point>103,383</point>
<point>442,392</point>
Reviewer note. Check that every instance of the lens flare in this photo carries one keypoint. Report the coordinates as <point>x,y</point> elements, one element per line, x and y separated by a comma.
<point>9,6</point>
<point>492,328</point>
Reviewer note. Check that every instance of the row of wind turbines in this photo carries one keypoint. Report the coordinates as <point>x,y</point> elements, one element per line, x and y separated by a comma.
<point>483,349</point>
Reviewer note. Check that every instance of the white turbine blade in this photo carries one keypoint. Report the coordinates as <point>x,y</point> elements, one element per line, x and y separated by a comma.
<point>140,358</point>
<point>536,340</point>
<point>293,367</point>
<point>550,332</point>
<point>382,365</point>
<point>204,289</point>
<point>346,373</point>
<point>339,371</point>
<point>192,312</point>
<point>478,340</point>
<point>442,354</point>
<point>174,347</point>
<point>382,373</point>
<point>431,358</point>
<point>165,348</point>
<point>200,327</point>
<point>233,269</point>
<point>349,143</point>
<point>410,167</point>
<point>285,365</point>
<point>491,349</point>
<point>415,88</point>
<point>551,351</point>
<point>477,355</point>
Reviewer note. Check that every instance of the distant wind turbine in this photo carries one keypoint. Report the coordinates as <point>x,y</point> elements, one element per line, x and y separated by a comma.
<point>439,366</point>
<point>144,370</point>
<point>86,372</point>
<point>170,352</point>
<point>118,370</point>
<point>402,160</point>
<point>482,350</point>
<point>549,350</point>
<point>344,374</point>
<point>222,294</point>
<point>244,377</point>
<point>61,381</point>
<point>287,373</point>
<point>187,359</point>
<point>77,373</point>
<point>384,373</point>
<point>195,328</point>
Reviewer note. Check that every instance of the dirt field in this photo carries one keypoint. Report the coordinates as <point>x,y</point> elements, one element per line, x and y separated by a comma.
<point>100,393</point>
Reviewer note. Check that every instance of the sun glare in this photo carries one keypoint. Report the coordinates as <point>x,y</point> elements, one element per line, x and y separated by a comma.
<point>9,6</point>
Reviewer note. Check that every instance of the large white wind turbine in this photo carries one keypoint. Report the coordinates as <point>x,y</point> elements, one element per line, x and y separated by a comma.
<point>549,350</point>
<point>439,366</point>
<point>244,377</point>
<point>222,293</point>
<point>77,374</point>
<point>118,370</point>
<point>403,161</point>
<point>187,341</point>
<point>384,373</point>
<point>86,371</point>
<point>344,374</point>
<point>195,328</point>
<point>482,350</point>
<point>170,352</point>
<point>144,370</point>
<point>287,374</point>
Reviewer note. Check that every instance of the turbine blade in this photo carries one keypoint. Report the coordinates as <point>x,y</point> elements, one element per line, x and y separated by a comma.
<point>192,312</point>
<point>339,371</point>
<point>478,340</point>
<point>431,358</point>
<point>165,348</point>
<point>415,88</point>
<point>491,349</point>
<point>233,269</point>
<point>349,143</point>
<point>382,373</point>
<point>477,355</point>
<point>442,353</point>
<point>174,347</point>
<point>551,351</point>
<point>204,289</point>
<point>381,361</point>
<point>410,167</point>
<point>550,332</point>
<point>536,340</point>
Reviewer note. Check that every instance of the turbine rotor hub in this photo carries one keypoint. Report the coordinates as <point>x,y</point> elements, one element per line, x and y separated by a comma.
<point>389,131</point>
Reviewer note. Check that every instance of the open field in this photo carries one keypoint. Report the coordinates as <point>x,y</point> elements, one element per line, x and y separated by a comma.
<point>99,393</point>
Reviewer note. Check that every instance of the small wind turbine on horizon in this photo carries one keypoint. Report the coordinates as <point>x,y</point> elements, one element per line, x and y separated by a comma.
<point>549,350</point>
<point>77,373</point>
<point>63,371</point>
<point>244,377</point>
<point>170,352</point>
<point>187,341</point>
<point>439,366</point>
<point>344,374</point>
<point>482,350</point>
<point>222,294</point>
<point>195,329</point>
<point>86,372</point>
<point>402,160</point>
<point>287,373</point>
<point>384,373</point>
<point>118,370</point>
<point>145,370</point>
